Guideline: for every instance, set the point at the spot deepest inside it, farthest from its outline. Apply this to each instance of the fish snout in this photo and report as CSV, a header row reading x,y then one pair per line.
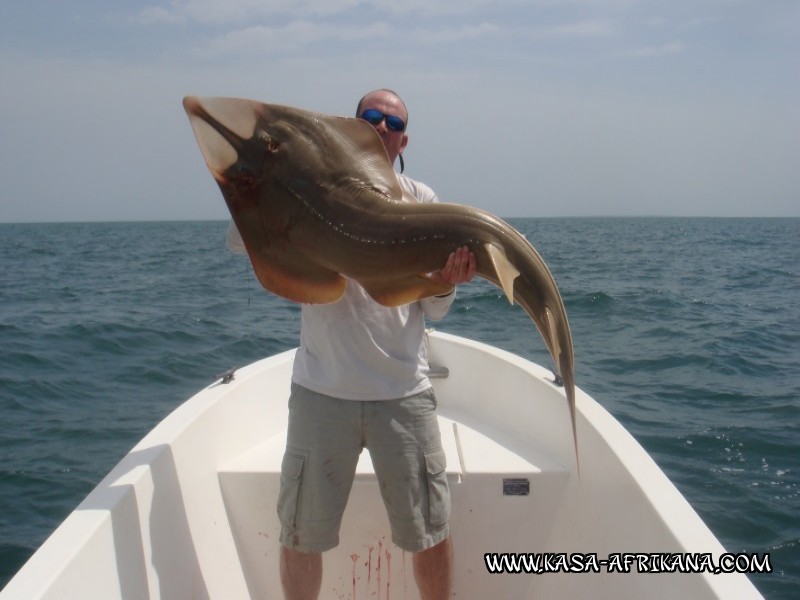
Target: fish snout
x,y
220,126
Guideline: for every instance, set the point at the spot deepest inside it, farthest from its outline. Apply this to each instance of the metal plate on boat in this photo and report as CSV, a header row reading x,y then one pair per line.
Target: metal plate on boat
x,y
516,486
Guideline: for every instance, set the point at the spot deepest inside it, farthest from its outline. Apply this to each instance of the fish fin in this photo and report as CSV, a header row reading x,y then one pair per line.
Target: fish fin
x,y
366,149
216,140
218,153
565,372
295,278
240,116
505,271
404,290
552,334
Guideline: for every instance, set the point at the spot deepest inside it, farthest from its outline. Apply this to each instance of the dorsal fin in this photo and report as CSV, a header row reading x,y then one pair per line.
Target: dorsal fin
x,y
366,152
505,271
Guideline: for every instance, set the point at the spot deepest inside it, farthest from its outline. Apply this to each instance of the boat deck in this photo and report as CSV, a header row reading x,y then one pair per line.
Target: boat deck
x,y
493,490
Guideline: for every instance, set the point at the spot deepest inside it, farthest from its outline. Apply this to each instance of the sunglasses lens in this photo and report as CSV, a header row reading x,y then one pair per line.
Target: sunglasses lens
x,y
374,117
395,123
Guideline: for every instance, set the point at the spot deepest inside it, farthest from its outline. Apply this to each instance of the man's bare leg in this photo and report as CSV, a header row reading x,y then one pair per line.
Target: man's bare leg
x,y
301,574
433,570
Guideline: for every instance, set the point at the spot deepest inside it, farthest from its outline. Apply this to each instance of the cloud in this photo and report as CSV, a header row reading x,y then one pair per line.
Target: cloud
x,y
297,34
441,8
239,11
597,28
457,34
159,14
272,41
656,51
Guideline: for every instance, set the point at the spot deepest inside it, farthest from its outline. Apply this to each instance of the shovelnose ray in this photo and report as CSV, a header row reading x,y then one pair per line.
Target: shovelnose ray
x,y
315,199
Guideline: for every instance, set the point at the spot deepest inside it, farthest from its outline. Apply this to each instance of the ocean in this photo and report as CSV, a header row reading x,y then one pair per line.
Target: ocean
x,y
686,329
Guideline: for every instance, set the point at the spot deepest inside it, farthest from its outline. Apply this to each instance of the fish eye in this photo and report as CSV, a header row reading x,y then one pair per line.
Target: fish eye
x,y
269,142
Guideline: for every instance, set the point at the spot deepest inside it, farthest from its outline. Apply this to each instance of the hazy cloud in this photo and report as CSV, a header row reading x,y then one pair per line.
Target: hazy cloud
x,y
238,11
454,34
598,28
663,50
297,34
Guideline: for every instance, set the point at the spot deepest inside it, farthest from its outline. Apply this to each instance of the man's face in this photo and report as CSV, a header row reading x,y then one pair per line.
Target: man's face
x,y
388,103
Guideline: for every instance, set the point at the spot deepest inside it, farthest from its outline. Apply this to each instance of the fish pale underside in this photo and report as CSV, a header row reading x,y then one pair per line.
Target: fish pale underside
x,y
316,200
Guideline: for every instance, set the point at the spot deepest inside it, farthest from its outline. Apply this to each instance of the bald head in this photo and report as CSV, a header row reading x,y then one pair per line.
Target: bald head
x,y
382,92
388,103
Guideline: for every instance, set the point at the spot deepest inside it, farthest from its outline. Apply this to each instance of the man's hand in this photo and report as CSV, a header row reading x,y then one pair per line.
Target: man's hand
x,y
459,268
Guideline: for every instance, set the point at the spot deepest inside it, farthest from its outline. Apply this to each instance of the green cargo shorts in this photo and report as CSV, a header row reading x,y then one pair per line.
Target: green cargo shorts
x,y
324,439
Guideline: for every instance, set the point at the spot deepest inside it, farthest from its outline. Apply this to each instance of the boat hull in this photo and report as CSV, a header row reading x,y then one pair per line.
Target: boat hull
x,y
190,511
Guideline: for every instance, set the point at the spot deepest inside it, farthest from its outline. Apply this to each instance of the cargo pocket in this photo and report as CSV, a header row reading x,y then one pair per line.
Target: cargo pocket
x,y
438,493
291,475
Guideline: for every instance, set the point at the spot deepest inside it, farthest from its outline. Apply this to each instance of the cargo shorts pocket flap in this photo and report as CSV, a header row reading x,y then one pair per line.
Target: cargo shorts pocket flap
x,y
291,475
438,493
292,466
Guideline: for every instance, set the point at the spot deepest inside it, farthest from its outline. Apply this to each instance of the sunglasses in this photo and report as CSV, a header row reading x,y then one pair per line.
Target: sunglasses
x,y
373,116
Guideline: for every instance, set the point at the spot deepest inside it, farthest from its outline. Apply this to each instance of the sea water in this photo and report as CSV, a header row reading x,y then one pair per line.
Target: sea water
x,y
686,330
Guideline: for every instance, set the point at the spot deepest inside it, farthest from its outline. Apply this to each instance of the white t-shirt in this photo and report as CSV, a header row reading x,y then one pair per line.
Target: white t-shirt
x,y
357,349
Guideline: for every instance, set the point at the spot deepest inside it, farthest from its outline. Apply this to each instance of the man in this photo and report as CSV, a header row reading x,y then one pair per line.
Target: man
x,y
360,380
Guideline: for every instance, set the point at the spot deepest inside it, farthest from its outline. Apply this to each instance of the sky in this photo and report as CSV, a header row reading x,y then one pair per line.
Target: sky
x,y
537,108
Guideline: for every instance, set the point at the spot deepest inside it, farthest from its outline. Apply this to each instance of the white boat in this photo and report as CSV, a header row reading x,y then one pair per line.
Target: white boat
x,y
190,511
